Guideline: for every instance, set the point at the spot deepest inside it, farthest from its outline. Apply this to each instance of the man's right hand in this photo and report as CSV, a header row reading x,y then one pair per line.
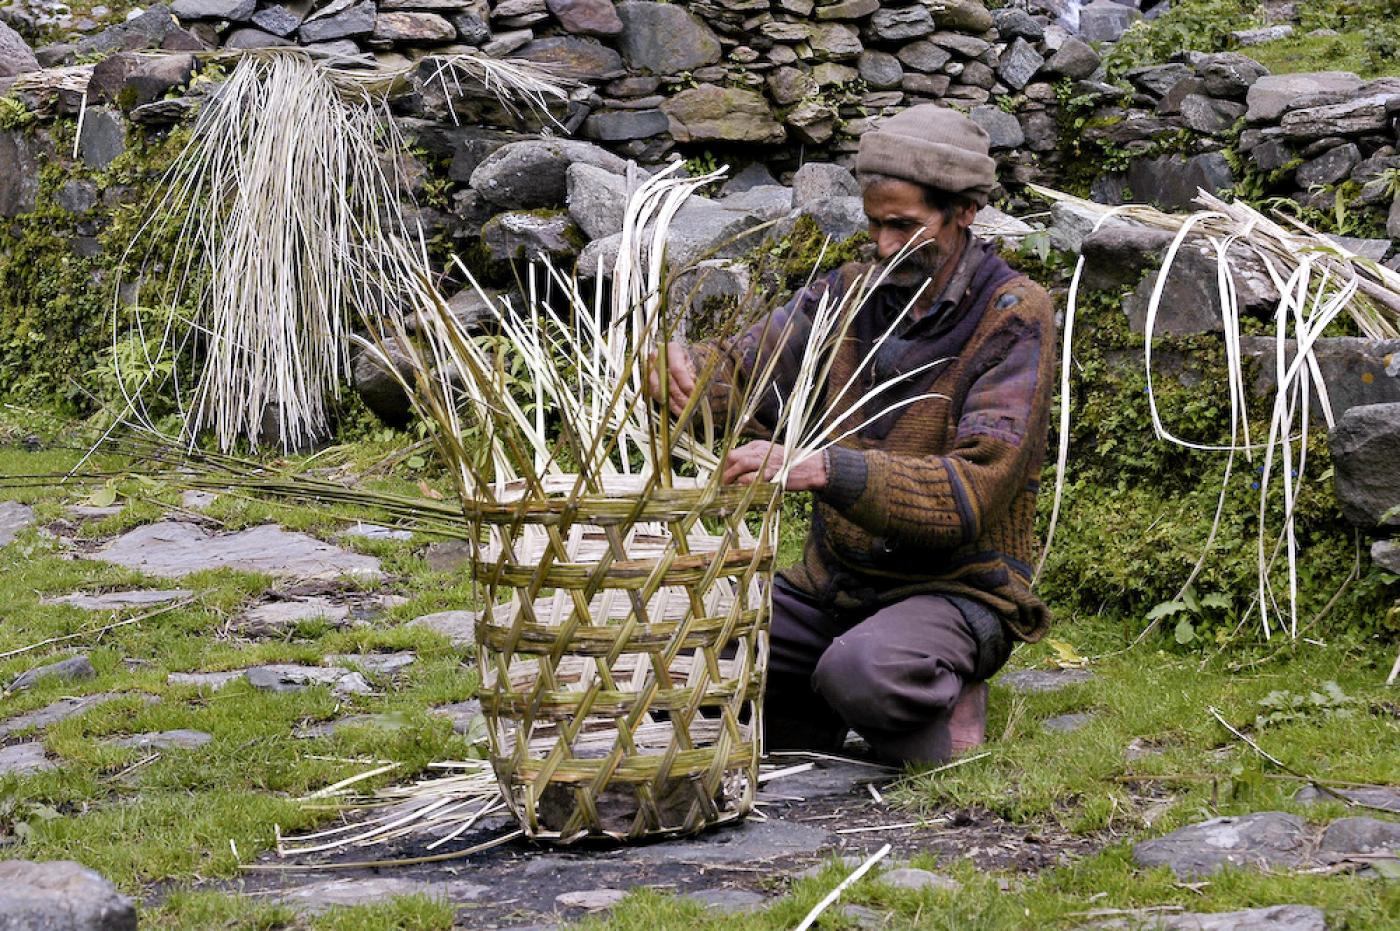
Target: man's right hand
x,y
680,377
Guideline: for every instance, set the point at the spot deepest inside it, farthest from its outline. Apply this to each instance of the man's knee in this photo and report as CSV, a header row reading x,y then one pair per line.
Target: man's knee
x,y
856,676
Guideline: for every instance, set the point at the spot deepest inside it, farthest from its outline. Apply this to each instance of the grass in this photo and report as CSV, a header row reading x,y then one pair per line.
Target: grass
x,y
169,823
1346,51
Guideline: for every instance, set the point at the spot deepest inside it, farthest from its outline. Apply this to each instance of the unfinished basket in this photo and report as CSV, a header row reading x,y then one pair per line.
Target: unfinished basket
x,y
623,654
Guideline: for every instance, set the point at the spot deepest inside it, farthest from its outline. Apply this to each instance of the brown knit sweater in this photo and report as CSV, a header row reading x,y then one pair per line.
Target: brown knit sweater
x,y
938,496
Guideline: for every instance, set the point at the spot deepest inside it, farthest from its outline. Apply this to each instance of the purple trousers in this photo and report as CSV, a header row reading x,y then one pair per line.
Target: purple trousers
x,y
893,675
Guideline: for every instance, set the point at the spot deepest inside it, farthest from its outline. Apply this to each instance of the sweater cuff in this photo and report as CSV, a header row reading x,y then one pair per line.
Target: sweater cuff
x,y
846,474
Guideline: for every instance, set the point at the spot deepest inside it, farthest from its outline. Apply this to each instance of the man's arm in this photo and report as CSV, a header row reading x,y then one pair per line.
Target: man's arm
x,y
725,367
946,501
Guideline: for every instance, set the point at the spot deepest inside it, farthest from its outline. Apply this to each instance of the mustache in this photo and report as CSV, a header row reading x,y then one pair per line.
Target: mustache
x,y
923,262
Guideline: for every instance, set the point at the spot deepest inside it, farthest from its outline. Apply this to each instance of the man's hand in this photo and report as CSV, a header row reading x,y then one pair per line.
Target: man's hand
x,y
761,460
680,377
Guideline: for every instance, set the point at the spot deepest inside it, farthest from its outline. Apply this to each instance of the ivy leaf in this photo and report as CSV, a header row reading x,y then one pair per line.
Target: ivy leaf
x,y
415,462
104,497
1188,596
1165,609
1217,601
1185,632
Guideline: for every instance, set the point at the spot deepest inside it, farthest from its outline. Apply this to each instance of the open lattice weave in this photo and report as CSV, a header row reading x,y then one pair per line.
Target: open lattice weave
x,y
622,676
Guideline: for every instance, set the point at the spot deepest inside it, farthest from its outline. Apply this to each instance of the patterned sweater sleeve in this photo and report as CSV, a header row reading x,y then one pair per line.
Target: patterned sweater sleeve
x,y
945,501
726,369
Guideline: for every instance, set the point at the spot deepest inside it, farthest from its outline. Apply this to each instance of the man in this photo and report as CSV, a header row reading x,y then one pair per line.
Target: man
x,y
915,577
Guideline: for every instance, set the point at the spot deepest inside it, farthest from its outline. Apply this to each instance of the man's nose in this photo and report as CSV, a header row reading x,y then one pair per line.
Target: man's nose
x,y
887,243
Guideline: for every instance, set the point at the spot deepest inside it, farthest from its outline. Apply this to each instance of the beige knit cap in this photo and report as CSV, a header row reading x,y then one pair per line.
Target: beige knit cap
x,y
933,146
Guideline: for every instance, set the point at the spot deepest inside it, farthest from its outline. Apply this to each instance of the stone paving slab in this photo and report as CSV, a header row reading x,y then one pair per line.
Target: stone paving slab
x,y
286,677
365,531
205,680
72,669
378,664
274,618
1384,797
1263,840
1273,918
457,626
174,549
317,897
59,895
1043,680
25,758
14,517
64,709
179,739
117,601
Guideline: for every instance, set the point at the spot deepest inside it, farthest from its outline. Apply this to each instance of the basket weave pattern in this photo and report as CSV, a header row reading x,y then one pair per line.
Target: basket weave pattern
x,y
623,654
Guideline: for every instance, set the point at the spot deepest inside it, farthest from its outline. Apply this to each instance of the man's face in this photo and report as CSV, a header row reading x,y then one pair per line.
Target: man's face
x,y
898,215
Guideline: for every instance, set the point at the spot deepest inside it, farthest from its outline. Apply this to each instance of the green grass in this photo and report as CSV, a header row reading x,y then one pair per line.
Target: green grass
x,y
177,819
1346,51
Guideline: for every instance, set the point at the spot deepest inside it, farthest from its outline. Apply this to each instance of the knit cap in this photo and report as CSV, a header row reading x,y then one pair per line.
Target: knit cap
x,y
933,146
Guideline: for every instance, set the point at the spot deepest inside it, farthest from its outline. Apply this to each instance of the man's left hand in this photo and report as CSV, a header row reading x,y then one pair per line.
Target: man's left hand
x,y
760,460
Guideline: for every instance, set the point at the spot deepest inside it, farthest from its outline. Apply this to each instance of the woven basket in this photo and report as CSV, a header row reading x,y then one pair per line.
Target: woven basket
x,y
623,654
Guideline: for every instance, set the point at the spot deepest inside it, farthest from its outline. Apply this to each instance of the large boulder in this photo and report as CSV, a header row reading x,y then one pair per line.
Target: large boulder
x,y
710,113
961,15
1003,129
533,173
526,236
16,57
62,896
1019,63
1365,446
1172,181
1372,113
1106,21
597,199
1191,297
1073,59
819,180
1271,95
664,38
586,17
20,157
1229,74
582,59
1357,371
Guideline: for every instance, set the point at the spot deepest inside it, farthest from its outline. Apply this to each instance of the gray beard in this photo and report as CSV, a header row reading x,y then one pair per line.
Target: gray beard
x,y
923,264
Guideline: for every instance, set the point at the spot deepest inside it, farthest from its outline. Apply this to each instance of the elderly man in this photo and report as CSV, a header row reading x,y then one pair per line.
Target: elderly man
x,y
915,578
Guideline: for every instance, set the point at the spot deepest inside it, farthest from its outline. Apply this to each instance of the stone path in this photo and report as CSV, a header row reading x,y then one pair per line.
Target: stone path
x,y
14,517
119,601
174,549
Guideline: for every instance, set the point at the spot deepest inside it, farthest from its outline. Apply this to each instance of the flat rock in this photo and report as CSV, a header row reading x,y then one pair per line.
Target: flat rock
x,y
72,669
1067,723
1265,840
826,778
664,38
747,842
591,899
893,23
916,880
317,897
728,901
93,512
597,199
179,739
1365,446
457,626
365,531
573,56
1173,181
1272,918
379,664
61,710
22,759
516,236
14,517
586,17
1376,796
171,549
1270,96
391,721
1347,836
1030,681
1386,554
1003,129
817,180
533,173
274,618
355,20
117,601
59,895
1352,117
286,677
1358,372
462,714
710,113
204,680
1106,21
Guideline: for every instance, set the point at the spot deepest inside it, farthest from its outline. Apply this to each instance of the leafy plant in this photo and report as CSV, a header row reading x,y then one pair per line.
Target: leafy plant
x,y
1194,614
14,114
1285,707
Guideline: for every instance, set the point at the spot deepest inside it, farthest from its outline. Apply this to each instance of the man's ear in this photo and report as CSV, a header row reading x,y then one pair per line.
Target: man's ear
x,y
965,216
